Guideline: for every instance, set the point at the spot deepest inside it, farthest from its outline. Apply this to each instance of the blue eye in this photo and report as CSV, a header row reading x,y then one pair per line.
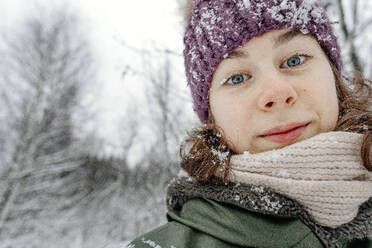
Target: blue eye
x,y
294,61
237,79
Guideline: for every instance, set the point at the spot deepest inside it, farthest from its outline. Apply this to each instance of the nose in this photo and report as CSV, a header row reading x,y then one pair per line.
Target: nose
x,y
277,94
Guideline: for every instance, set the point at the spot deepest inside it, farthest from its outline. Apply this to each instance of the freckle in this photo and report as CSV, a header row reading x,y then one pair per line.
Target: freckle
x,y
305,90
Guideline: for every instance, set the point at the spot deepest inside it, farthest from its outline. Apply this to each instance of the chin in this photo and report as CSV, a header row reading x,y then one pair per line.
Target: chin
x,y
269,146
264,149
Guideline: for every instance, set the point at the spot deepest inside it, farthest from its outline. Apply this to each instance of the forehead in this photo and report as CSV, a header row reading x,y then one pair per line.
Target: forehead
x,y
277,38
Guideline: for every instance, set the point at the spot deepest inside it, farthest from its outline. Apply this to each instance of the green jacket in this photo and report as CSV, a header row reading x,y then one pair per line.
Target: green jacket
x,y
236,216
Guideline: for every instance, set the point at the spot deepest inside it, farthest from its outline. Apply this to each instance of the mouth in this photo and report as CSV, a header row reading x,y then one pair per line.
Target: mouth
x,y
285,134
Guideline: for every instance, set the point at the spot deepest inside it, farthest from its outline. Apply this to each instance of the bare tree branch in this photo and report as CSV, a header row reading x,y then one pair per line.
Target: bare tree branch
x,y
343,19
45,64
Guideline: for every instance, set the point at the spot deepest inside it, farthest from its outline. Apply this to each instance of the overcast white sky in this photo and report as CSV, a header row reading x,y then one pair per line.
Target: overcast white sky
x,y
138,23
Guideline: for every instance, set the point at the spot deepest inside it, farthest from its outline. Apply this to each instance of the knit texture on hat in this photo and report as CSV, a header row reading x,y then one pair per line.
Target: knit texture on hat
x,y
217,27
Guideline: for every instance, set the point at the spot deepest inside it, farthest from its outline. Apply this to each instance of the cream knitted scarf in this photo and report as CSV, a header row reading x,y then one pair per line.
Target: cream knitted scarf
x,y
323,173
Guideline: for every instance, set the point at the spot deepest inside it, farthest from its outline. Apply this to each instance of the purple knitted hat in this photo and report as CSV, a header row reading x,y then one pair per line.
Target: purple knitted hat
x,y
217,27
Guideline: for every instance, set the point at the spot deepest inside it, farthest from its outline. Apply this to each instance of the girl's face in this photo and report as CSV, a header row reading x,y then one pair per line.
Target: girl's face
x,y
276,90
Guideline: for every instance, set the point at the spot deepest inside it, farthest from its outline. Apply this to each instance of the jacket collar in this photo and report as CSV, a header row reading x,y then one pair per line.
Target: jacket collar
x,y
262,200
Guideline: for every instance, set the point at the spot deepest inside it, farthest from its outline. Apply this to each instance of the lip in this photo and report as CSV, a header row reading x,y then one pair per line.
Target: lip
x,y
285,134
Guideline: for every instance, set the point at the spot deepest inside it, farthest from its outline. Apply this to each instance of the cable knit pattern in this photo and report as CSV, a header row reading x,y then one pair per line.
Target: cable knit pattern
x,y
323,173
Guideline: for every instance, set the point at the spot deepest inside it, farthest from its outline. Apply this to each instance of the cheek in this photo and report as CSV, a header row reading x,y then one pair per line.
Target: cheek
x,y
331,111
232,115
331,106
324,100
225,112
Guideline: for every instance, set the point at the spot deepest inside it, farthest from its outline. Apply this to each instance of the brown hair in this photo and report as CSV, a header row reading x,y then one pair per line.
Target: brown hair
x,y
208,159
186,9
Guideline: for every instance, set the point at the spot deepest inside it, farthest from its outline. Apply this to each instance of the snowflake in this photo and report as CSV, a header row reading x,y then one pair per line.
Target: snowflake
x,y
317,13
258,189
193,54
299,15
195,75
305,31
247,3
221,155
254,204
237,198
150,243
246,154
209,18
270,204
198,30
285,5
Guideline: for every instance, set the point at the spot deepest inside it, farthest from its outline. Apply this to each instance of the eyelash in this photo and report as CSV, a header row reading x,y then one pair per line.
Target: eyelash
x,y
224,81
307,57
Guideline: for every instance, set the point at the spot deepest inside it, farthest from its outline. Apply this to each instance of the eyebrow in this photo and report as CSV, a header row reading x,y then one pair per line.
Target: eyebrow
x,y
286,37
237,54
279,41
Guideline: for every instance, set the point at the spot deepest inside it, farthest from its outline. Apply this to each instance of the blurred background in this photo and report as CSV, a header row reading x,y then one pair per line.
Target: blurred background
x,y
93,108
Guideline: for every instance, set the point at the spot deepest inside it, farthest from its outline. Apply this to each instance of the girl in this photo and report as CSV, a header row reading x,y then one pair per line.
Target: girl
x,y
284,156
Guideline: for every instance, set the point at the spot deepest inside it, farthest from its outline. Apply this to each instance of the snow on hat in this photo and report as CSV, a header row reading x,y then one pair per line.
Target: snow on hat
x,y
216,27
